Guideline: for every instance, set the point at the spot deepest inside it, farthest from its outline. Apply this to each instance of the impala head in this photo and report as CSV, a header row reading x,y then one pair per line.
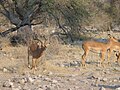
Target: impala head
x,y
36,50
43,44
33,46
111,38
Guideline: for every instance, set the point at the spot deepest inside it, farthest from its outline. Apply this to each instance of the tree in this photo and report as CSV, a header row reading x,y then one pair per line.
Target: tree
x,y
23,13
111,8
20,13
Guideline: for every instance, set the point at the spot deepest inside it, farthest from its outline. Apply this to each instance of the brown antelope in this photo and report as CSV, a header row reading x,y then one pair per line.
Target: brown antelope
x,y
97,46
36,51
115,47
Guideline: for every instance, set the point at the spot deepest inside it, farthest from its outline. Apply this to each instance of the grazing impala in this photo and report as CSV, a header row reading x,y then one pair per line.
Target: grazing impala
x,y
36,51
97,46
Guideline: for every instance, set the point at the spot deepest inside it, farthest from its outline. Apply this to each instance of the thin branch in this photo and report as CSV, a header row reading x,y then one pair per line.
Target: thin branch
x,y
37,23
3,34
6,12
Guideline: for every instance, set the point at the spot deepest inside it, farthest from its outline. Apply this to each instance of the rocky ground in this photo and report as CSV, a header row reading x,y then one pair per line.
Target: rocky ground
x,y
61,70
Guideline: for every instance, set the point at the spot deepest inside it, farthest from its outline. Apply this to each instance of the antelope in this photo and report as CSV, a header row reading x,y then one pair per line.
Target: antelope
x,y
115,47
36,51
97,46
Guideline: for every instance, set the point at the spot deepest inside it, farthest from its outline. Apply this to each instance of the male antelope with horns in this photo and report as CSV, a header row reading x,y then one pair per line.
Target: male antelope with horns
x,y
36,51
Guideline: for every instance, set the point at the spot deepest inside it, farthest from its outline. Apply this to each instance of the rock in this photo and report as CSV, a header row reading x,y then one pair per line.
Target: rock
x,y
45,87
19,87
37,82
30,80
8,84
54,81
115,80
47,79
15,89
92,77
50,73
5,70
40,76
40,89
64,65
102,88
117,69
22,81
117,88
26,87
104,80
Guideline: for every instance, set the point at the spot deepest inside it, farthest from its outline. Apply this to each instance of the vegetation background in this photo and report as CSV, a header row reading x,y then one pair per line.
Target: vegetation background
x,y
71,17
66,23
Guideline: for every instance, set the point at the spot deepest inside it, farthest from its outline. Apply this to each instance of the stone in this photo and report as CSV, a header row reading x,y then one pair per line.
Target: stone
x,y
54,81
26,87
5,70
50,73
40,89
115,80
30,80
22,81
8,84
102,88
104,79
47,79
117,88
15,89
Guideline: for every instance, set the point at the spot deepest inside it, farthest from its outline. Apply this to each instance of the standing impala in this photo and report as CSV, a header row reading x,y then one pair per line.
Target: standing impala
x,y
115,47
36,51
97,46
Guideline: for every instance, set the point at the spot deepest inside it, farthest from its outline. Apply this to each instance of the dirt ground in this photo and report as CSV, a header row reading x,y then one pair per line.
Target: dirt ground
x,y
64,66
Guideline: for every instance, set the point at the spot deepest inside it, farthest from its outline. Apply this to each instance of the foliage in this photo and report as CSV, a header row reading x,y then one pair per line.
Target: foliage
x,y
68,15
111,8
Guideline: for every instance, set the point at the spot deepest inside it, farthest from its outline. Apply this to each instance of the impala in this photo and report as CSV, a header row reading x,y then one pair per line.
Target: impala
x,y
36,51
115,47
97,46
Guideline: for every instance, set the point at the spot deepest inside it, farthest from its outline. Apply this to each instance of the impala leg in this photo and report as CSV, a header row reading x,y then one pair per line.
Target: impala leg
x,y
84,57
33,65
118,58
36,64
118,61
102,58
28,59
109,55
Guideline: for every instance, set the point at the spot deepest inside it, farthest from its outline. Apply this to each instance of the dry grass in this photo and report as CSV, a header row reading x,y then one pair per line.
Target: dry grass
x,y
15,58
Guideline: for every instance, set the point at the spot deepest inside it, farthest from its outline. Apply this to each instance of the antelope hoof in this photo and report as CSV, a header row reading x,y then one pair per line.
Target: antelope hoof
x,y
29,66
84,65
109,64
102,65
116,62
35,68
33,71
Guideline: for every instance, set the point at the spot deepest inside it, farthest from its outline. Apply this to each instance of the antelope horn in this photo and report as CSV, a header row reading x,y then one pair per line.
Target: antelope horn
x,y
45,40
